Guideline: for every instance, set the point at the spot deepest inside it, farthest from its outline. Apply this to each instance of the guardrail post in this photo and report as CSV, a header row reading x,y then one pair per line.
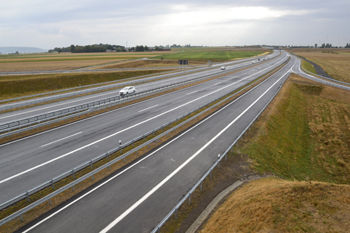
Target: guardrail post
x,y
201,185
50,201
158,230
153,132
73,172
21,217
175,213
144,138
91,165
189,199
28,199
52,184
133,146
73,188
210,174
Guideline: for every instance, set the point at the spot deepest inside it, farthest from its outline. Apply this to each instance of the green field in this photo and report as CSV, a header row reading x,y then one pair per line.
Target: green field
x,y
211,55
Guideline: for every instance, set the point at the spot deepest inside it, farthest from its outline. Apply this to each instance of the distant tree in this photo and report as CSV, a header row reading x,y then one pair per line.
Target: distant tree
x,y
315,45
156,48
72,48
347,45
59,50
16,52
146,47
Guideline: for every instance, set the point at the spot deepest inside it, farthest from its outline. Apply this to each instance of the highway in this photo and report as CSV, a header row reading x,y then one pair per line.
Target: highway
x,y
136,198
30,161
79,90
33,111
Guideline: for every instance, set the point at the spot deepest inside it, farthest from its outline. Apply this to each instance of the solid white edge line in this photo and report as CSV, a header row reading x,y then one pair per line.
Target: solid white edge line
x,y
60,139
136,204
133,165
102,139
149,108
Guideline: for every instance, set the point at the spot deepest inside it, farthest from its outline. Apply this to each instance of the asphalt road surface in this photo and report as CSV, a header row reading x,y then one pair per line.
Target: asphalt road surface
x,y
33,111
31,161
137,198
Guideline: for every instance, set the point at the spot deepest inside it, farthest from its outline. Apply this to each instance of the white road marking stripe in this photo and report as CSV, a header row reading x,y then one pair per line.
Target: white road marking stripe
x,y
60,139
148,108
136,204
102,139
128,168
191,92
217,83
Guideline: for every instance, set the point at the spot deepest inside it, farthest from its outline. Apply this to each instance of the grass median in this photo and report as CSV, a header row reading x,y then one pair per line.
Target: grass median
x,y
45,207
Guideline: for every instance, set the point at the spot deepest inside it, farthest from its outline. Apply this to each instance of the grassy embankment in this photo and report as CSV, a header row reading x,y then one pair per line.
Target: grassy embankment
x,y
308,66
16,86
333,62
303,136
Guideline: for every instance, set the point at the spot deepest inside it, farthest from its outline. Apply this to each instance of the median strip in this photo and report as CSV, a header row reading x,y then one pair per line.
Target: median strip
x,y
153,140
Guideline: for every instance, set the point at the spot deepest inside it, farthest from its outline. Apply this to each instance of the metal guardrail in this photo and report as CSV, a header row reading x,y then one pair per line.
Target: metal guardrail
x,y
90,163
106,85
28,122
209,172
320,79
8,126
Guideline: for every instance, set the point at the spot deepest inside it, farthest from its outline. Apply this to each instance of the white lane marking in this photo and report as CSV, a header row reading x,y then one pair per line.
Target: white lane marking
x,y
107,93
148,108
133,165
60,139
217,83
136,204
130,127
79,121
191,92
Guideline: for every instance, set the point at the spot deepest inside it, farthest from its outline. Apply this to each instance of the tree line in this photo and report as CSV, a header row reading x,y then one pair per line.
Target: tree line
x,y
89,48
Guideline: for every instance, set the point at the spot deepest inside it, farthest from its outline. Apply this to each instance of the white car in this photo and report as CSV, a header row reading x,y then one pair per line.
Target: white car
x,y
223,68
127,90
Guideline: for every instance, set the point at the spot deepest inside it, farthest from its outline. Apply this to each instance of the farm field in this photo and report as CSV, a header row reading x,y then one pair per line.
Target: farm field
x,y
71,61
304,137
334,62
64,61
213,55
148,63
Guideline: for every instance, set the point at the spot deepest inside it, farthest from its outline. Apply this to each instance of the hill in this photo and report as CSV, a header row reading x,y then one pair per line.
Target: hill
x,y
5,50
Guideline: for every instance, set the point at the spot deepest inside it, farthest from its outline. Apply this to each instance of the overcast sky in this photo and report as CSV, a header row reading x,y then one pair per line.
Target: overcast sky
x,y
55,23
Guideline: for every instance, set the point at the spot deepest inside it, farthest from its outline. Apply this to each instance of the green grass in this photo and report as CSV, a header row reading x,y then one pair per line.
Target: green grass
x,y
211,55
308,66
26,85
285,147
305,137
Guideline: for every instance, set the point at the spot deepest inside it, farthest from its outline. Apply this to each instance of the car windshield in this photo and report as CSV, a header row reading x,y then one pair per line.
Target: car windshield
x,y
125,89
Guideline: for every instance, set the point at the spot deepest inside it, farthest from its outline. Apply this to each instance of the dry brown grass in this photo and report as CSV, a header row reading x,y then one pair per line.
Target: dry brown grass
x,y
50,65
337,65
273,205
